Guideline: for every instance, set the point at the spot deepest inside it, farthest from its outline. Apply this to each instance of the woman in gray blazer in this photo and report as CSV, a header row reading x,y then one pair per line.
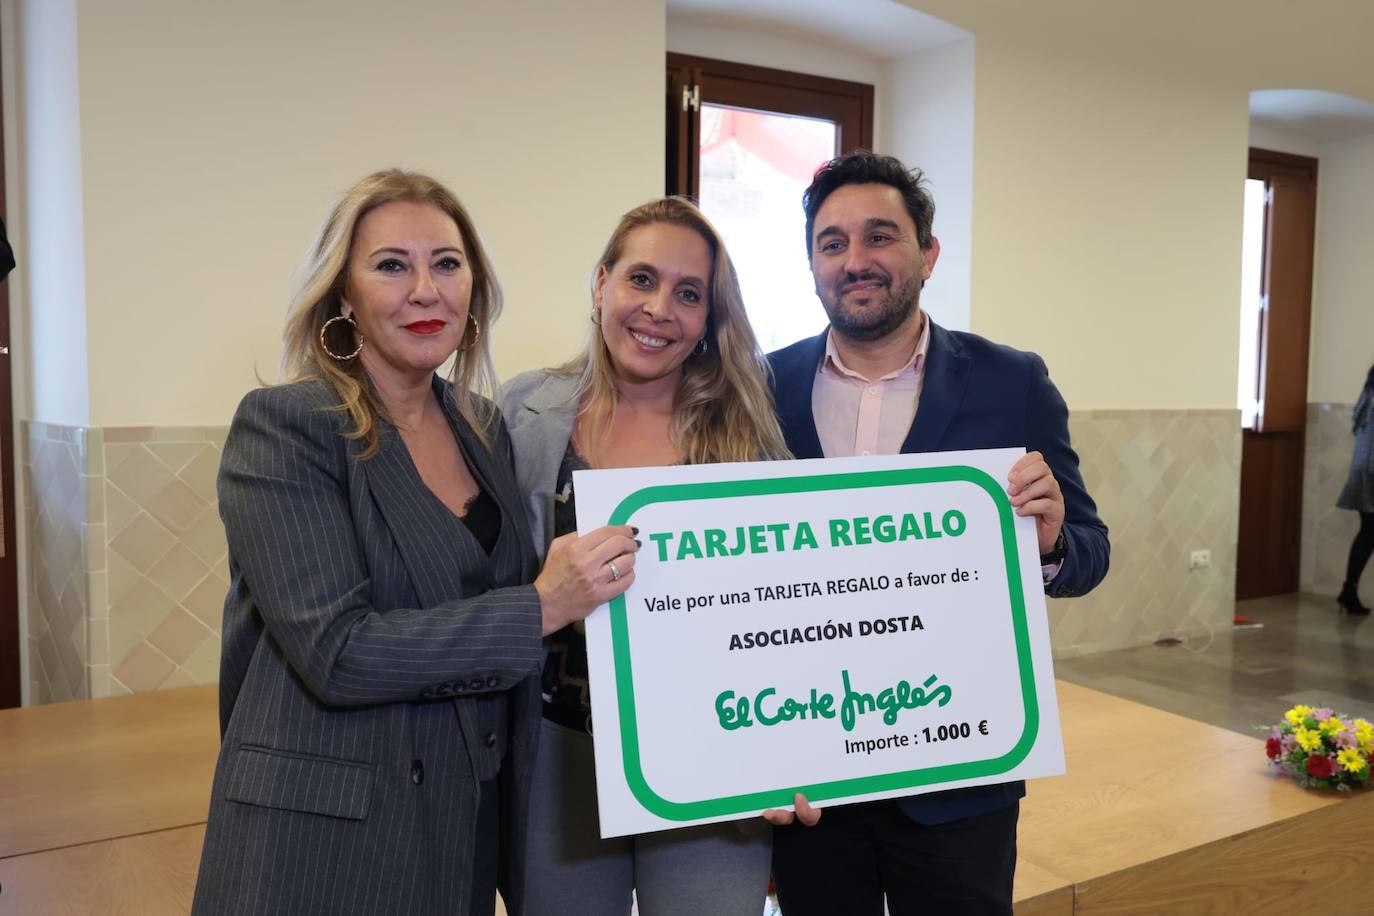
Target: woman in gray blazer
x,y
378,698
671,374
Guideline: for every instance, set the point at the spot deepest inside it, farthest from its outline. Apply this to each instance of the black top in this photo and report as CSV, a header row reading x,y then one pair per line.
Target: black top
x,y
483,520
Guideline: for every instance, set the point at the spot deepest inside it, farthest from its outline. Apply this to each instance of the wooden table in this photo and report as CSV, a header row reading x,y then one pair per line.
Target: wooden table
x,y
102,810
1163,814
103,803
149,874
99,769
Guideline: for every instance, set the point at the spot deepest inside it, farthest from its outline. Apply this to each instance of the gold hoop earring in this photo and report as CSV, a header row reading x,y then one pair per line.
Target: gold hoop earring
x,y
596,316
701,347
476,334
324,346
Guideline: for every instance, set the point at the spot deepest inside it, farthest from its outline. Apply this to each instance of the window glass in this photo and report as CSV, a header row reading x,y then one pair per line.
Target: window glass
x,y
754,167
1252,261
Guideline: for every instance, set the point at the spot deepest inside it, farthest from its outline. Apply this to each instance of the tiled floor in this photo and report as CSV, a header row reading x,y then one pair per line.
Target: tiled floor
x,y
1307,652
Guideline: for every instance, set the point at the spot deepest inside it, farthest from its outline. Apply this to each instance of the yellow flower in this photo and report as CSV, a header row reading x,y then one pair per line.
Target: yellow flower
x,y
1309,739
1351,759
1297,714
1332,726
1364,734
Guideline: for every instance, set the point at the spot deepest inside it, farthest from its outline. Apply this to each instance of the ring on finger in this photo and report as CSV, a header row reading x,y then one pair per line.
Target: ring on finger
x,y
615,572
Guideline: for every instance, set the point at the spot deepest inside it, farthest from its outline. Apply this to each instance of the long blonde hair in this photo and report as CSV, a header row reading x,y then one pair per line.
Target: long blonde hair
x,y
723,408
319,293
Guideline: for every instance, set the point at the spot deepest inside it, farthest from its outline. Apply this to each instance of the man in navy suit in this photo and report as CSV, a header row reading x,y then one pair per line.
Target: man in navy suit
x,y
885,379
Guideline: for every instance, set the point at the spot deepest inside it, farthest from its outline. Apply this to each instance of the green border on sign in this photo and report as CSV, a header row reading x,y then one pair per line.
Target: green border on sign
x,y
782,797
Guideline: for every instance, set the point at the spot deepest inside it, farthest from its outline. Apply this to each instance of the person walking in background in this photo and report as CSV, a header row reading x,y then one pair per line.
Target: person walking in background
x,y
1358,496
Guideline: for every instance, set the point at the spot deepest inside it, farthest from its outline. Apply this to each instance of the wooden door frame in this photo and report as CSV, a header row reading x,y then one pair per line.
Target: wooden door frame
x,y
1288,388
1269,516
11,685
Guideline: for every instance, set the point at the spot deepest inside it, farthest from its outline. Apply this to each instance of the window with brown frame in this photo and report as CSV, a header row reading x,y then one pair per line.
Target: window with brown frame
x,y
744,141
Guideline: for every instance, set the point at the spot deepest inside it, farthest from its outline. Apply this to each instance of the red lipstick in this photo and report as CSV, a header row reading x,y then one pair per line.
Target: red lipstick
x,y
425,327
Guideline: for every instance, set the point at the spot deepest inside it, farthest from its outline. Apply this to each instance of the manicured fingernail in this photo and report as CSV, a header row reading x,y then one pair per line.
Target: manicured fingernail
x,y
634,530
638,542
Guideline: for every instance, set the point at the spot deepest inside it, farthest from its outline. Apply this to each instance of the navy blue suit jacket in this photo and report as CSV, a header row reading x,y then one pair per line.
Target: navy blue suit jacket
x,y
976,394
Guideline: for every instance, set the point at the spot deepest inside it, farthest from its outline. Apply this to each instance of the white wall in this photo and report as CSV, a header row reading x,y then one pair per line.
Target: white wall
x,y
50,285
212,141
1107,226
929,110
1105,223
1266,135
1109,150
1343,300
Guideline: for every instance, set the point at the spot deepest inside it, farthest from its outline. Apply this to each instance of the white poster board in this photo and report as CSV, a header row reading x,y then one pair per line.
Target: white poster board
x,y
849,628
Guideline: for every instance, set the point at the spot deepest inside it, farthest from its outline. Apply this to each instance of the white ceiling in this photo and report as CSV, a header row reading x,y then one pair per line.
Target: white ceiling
x,y
872,28
1320,116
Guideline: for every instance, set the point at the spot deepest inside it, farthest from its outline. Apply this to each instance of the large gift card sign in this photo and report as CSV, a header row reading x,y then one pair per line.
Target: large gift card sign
x,y
849,628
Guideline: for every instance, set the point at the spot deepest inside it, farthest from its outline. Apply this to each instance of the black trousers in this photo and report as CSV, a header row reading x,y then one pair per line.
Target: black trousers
x,y
486,860
857,853
1360,550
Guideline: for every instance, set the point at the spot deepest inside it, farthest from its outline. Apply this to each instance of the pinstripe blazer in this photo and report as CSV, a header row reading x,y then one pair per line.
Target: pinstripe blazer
x,y
361,623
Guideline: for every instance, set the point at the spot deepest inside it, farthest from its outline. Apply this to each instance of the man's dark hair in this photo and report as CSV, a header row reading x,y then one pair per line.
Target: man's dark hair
x,y
863,167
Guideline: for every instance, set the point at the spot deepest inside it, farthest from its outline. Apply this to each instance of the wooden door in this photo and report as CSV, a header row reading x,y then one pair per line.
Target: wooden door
x,y
1269,536
9,569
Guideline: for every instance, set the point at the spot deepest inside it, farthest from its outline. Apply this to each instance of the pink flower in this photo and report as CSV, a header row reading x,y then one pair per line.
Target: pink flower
x,y
1321,715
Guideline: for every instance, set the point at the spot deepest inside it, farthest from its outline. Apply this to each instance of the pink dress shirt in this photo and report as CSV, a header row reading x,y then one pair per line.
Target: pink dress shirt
x,y
861,416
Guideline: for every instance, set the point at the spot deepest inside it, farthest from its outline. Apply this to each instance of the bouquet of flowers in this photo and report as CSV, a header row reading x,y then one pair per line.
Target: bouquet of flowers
x,y
1321,749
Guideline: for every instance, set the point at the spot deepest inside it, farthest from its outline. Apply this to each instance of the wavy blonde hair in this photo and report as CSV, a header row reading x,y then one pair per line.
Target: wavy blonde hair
x,y
723,409
319,294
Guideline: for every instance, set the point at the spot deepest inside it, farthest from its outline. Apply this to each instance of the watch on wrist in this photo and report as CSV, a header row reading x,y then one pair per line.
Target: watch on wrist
x,y
1058,552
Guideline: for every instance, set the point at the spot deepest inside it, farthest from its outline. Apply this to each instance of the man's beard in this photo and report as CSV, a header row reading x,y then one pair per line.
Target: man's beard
x,y
877,319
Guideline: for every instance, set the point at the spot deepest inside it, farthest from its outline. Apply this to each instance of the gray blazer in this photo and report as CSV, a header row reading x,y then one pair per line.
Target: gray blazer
x,y
363,624
540,408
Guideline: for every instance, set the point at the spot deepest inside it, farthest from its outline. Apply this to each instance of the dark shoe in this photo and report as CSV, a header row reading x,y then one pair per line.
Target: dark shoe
x,y
1349,601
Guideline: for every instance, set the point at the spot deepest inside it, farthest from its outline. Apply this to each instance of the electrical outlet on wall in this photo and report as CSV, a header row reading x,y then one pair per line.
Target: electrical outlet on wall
x,y
1199,558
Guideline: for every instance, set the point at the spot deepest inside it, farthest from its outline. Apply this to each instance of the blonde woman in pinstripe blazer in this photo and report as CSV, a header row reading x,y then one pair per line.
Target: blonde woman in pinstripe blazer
x,y
378,699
